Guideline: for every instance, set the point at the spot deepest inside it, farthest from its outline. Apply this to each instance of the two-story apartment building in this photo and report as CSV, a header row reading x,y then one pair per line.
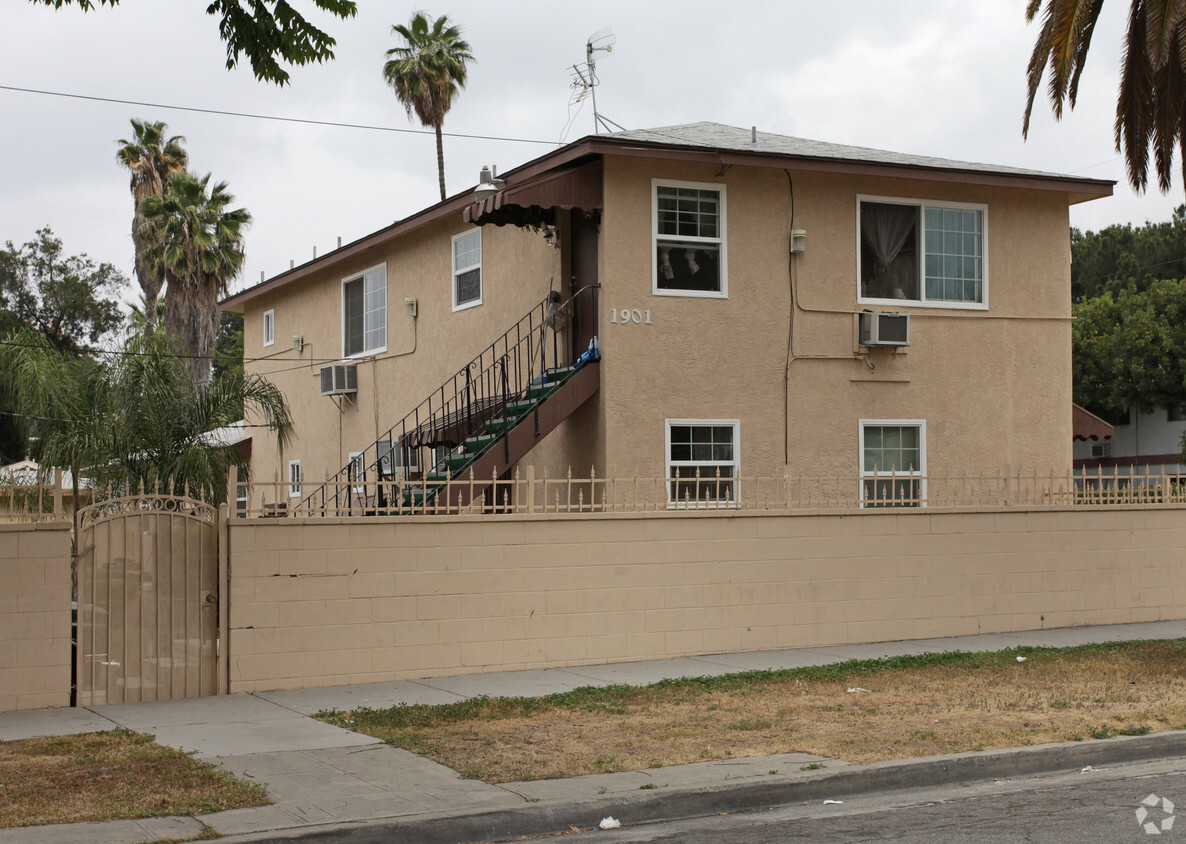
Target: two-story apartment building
x,y
762,305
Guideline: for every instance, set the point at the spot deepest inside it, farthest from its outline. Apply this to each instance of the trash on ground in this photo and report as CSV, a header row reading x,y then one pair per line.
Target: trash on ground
x,y
837,802
856,689
1021,659
609,823
1085,770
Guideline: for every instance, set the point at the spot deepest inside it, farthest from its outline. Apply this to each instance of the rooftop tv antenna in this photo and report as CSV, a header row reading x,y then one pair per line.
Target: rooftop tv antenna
x,y
584,81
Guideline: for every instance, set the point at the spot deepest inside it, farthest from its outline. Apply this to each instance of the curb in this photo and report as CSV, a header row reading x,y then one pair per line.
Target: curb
x,y
951,769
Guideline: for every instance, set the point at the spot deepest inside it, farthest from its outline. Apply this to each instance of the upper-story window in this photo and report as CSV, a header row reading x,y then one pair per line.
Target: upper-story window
x,y
922,253
269,327
467,270
688,230
364,310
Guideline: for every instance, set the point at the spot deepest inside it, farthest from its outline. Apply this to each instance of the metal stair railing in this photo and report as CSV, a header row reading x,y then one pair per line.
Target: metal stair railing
x,y
425,442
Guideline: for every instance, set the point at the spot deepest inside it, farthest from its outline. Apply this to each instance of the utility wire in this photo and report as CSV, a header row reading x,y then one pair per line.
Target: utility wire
x,y
83,350
272,116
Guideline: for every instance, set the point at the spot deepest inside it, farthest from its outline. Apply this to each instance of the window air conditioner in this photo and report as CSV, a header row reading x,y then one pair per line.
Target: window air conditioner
x,y
1103,449
878,329
339,379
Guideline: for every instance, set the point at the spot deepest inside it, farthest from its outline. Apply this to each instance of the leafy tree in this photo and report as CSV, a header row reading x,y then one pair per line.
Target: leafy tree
x,y
228,345
1123,256
137,420
1130,348
69,300
426,72
152,158
268,32
1151,105
196,241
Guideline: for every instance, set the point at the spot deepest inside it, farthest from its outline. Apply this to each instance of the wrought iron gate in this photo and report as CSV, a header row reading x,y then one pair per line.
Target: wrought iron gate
x,y
149,607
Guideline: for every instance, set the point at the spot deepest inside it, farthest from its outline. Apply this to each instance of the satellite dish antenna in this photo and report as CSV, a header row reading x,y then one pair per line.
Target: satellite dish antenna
x,y
585,80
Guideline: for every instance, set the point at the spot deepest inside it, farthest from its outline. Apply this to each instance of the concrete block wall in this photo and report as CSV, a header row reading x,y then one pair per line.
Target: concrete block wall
x,y
34,615
326,602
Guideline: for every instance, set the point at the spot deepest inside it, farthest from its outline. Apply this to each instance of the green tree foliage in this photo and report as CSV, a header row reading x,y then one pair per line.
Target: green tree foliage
x,y
68,299
1121,256
136,420
426,72
152,157
268,32
1130,348
195,240
228,345
1150,106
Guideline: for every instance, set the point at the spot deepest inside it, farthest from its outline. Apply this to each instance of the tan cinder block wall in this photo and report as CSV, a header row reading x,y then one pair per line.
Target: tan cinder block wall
x,y
329,602
34,616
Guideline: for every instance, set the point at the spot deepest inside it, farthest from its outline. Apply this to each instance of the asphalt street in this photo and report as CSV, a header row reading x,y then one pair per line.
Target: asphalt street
x,y
1079,807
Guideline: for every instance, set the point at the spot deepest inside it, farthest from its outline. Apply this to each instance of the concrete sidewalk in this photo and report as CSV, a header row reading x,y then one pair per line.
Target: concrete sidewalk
x,y
323,778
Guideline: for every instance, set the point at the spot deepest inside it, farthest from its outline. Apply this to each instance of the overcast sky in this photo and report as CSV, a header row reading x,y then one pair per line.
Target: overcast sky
x,y
916,76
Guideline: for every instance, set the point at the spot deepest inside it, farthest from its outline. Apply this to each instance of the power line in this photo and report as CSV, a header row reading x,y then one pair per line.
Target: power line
x,y
272,116
84,350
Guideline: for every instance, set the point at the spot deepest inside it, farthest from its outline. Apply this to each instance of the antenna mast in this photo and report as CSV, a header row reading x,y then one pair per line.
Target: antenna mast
x,y
585,79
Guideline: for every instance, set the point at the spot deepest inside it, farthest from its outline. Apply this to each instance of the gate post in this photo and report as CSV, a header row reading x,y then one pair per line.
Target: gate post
x,y
223,683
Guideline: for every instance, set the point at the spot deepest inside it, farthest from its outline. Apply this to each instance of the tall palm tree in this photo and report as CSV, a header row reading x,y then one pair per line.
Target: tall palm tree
x,y
152,158
196,242
1151,106
427,71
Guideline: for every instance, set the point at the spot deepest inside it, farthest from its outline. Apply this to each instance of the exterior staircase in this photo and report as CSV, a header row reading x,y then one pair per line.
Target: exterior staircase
x,y
475,426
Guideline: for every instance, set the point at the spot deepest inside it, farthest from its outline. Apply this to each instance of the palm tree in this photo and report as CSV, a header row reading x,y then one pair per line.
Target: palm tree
x,y
196,242
1151,106
427,72
138,420
152,158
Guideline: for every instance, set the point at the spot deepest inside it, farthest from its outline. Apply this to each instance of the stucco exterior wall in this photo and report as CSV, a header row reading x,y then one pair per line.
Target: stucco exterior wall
x,y
421,352
325,602
35,616
993,385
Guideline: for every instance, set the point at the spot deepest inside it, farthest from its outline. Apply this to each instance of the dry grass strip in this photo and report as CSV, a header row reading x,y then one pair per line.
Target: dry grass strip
x,y
860,711
107,776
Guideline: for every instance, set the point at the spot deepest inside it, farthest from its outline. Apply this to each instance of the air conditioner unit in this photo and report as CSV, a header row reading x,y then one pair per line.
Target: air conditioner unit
x,y
878,329
339,379
1103,449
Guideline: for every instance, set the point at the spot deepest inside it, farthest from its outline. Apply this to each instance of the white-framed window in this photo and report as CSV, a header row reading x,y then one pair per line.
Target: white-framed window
x,y
401,461
356,473
294,478
364,312
467,270
702,461
688,231
922,253
893,462
241,493
269,327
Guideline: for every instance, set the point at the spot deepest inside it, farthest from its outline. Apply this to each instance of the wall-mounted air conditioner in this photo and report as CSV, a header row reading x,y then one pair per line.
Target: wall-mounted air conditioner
x,y
339,379
878,329
1103,449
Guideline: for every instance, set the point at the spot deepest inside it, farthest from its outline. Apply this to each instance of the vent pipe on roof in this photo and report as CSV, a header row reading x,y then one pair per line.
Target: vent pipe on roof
x,y
753,134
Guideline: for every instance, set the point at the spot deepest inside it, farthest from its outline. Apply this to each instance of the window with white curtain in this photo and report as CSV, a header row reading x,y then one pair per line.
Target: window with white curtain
x,y
922,253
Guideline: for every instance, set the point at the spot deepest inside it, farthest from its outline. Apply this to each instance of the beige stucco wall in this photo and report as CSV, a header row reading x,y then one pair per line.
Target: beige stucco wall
x,y
34,616
421,353
325,602
993,385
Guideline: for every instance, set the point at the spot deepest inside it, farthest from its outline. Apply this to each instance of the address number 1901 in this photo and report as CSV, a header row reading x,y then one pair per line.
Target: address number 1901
x,y
628,316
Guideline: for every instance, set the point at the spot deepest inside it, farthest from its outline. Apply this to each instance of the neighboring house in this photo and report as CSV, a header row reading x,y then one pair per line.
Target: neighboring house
x,y
1141,444
25,487
764,306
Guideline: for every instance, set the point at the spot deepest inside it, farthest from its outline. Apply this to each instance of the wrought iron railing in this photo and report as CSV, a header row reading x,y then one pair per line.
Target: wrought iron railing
x,y
531,492
422,449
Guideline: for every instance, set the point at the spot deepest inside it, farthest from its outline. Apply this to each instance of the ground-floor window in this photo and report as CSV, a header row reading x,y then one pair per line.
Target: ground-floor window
x,y
893,462
294,479
702,461
241,477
